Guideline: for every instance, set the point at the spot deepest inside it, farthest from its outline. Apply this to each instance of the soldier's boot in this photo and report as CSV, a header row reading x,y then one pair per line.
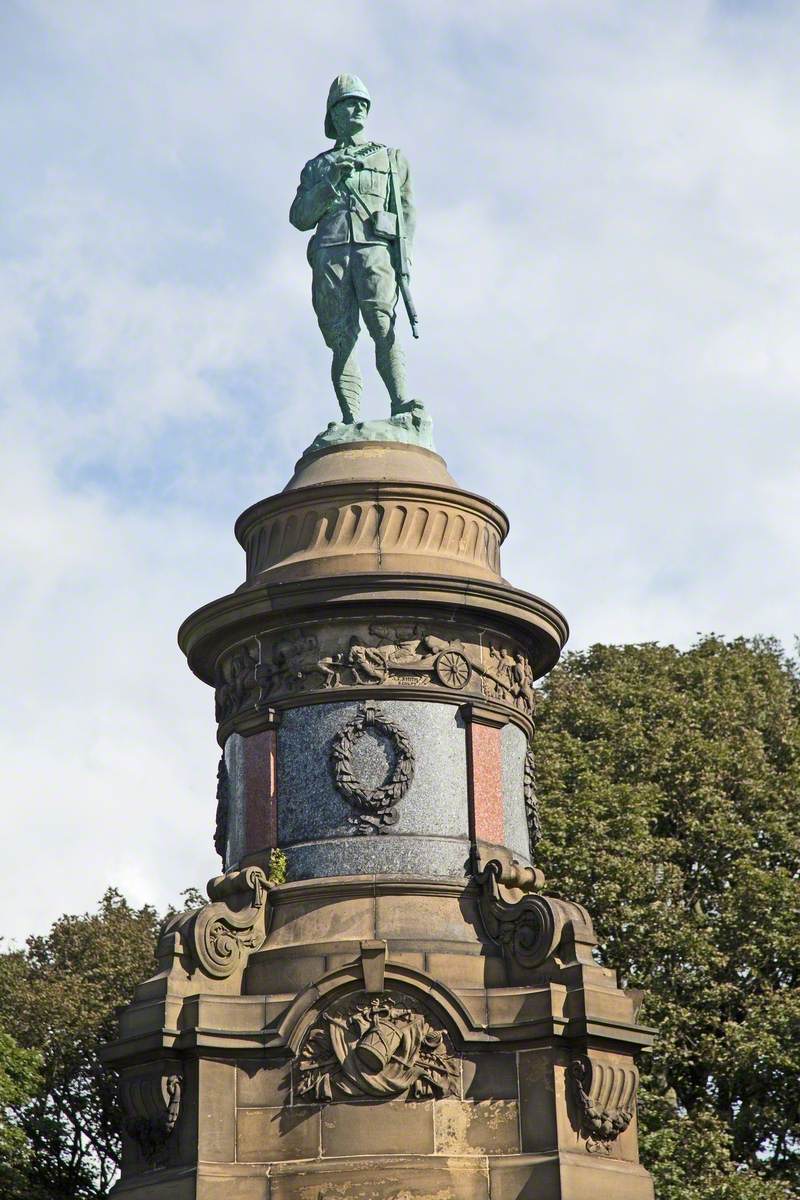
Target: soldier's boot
x,y
347,382
391,363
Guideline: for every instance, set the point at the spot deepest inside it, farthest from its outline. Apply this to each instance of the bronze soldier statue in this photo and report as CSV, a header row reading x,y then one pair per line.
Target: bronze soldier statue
x,y
358,196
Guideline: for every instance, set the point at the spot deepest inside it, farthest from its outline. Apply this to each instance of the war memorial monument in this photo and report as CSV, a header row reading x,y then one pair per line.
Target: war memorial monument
x,y
383,999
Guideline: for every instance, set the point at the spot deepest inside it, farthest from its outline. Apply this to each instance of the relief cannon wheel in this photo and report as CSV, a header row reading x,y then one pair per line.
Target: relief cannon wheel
x,y
452,669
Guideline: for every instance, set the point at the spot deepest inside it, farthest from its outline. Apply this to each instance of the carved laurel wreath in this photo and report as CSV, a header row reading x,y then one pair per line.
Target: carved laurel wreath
x,y
375,809
532,814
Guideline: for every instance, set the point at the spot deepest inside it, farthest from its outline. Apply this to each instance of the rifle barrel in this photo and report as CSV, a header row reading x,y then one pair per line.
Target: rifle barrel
x,y
413,319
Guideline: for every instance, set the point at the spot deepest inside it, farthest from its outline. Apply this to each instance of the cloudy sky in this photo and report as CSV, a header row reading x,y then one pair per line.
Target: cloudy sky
x,y
606,270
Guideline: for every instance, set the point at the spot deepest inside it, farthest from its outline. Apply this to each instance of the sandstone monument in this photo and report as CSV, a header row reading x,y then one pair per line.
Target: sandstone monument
x,y
381,1000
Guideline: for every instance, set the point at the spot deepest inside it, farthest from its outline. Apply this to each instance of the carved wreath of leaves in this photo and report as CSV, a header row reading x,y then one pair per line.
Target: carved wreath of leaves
x,y
376,807
532,814
223,807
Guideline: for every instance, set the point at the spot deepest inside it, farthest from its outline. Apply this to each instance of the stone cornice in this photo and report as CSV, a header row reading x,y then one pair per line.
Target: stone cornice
x,y
210,630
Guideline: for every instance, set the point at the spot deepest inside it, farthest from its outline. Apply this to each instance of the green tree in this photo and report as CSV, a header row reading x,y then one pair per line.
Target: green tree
x,y
60,1138
669,786
20,1078
60,995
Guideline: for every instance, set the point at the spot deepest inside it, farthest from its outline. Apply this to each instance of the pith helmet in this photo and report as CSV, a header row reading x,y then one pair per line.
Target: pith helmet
x,y
342,86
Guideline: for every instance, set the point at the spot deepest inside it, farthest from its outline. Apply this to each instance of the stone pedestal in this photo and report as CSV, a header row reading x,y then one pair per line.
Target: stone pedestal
x,y
409,1013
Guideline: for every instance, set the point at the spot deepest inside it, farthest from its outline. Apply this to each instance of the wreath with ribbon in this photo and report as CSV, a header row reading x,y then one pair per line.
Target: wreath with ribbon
x,y
375,807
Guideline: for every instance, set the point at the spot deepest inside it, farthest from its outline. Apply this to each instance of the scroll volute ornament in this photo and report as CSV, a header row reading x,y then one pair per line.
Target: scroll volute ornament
x,y
227,931
606,1096
151,1105
529,926
218,938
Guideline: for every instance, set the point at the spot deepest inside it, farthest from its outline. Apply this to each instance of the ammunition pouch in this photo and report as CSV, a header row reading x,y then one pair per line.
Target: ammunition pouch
x,y
384,225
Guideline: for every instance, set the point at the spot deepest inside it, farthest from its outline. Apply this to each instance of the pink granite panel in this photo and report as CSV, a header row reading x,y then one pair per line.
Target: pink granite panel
x,y
486,782
260,791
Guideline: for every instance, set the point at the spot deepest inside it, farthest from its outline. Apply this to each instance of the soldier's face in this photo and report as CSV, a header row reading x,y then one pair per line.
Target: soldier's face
x,y
349,116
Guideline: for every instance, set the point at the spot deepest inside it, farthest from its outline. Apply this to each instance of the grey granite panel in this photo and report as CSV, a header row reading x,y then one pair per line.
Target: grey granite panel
x,y
386,855
309,804
513,747
234,762
310,807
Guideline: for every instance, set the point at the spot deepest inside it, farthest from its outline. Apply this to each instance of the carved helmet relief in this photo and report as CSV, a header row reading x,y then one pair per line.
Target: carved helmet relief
x,y
383,1046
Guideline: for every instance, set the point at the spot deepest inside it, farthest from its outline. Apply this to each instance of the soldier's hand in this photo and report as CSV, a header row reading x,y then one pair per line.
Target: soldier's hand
x,y
341,169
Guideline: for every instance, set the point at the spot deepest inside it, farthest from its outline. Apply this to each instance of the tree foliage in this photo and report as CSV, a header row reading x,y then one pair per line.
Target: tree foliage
x,y
20,1078
669,788
60,996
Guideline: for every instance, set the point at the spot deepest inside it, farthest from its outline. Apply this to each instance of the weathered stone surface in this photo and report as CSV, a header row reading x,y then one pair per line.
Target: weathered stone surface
x,y
374,462
263,1085
415,918
379,526
401,1177
165,1186
588,1177
378,1044
250,1187
528,1177
277,1134
467,970
543,1106
300,918
411,517
395,1128
216,1112
391,657
489,1076
477,1127
409,1015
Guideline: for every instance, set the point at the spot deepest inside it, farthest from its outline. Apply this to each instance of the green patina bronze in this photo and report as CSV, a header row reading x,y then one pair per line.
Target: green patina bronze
x,y
357,197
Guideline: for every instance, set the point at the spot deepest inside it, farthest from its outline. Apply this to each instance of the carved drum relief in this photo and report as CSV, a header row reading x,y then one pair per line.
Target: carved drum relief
x,y
383,1046
333,657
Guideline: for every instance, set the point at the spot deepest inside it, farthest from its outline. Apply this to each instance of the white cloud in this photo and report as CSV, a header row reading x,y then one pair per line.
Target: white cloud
x,y
606,271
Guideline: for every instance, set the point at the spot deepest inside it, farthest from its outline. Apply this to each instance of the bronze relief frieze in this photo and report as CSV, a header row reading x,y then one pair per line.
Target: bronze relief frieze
x,y
331,660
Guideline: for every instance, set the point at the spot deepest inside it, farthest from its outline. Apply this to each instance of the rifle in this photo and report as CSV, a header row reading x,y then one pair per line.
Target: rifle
x,y
402,268
395,236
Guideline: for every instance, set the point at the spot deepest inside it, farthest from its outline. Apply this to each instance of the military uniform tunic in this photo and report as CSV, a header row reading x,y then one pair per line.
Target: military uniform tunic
x,y
351,265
